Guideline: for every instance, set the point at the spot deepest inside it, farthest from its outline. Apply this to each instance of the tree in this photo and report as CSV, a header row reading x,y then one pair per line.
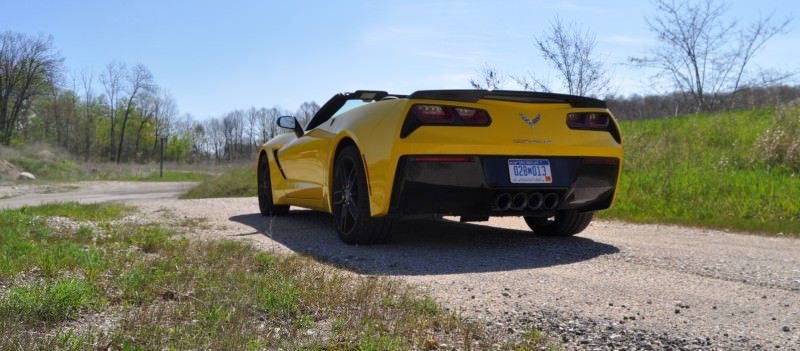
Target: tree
x,y
112,83
306,111
701,52
28,66
570,50
488,78
139,80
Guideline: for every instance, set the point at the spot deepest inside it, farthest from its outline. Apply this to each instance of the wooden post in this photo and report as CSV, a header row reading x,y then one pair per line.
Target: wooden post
x,y
161,166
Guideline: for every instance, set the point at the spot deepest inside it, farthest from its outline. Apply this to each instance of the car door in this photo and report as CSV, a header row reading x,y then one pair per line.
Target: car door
x,y
304,161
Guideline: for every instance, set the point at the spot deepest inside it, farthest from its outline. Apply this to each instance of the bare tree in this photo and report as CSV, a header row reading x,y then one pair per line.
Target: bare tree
x,y
28,66
167,110
570,50
139,80
701,52
306,111
112,84
488,78
87,79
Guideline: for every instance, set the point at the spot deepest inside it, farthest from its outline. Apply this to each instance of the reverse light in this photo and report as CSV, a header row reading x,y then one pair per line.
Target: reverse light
x,y
433,114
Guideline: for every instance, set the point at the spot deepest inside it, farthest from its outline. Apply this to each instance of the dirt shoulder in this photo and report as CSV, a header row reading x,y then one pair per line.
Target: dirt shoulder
x,y
16,195
616,285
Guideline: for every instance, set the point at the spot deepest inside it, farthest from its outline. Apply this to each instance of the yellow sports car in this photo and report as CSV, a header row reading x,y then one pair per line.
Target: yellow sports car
x,y
370,158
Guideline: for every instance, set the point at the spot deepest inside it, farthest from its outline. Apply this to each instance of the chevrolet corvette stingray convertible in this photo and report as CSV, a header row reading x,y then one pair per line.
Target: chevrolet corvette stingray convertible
x,y
371,157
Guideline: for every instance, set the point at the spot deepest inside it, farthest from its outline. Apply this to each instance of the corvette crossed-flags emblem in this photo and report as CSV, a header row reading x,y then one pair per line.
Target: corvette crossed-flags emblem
x,y
531,122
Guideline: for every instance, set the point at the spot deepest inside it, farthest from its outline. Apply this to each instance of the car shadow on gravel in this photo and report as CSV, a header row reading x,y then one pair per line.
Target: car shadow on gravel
x,y
425,247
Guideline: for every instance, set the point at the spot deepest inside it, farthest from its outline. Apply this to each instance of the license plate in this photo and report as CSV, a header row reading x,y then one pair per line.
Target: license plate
x,y
530,171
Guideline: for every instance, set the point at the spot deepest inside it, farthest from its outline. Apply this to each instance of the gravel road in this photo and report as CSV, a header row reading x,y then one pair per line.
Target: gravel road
x,y
617,286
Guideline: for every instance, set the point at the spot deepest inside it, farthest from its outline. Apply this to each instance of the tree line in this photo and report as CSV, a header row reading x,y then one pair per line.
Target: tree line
x,y
701,54
117,115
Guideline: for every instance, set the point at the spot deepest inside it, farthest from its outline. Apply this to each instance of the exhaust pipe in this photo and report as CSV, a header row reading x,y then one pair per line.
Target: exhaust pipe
x,y
535,201
519,201
551,201
502,202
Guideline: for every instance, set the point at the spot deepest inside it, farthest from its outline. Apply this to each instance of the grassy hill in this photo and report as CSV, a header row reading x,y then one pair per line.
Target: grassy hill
x,y
735,170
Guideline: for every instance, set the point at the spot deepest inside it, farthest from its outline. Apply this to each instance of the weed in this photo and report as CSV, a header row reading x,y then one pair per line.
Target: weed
x,y
50,301
235,183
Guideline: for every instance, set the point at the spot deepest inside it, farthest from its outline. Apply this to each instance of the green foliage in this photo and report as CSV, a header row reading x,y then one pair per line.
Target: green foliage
x,y
236,183
50,301
706,170
78,212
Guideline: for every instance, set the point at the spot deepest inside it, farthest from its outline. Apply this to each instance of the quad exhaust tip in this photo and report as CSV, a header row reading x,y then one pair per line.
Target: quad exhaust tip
x,y
519,201
551,201
503,201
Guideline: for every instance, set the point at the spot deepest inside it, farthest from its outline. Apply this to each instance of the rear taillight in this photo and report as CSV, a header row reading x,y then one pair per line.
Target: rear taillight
x,y
439,114
433,114
593,121
588,120
443,115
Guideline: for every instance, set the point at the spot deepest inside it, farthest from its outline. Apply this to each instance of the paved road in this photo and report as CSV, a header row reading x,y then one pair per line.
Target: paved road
x,y
615,286
90,192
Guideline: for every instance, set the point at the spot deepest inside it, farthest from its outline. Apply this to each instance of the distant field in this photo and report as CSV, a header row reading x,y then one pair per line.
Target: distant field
x,y
711,170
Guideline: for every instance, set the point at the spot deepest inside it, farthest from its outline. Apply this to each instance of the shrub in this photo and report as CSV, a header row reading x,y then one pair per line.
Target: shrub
x,y
779,145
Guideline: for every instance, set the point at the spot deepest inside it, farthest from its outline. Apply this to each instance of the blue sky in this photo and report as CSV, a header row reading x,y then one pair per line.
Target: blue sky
x,y
216,56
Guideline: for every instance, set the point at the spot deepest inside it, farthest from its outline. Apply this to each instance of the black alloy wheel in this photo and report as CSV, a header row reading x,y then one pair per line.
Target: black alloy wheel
x,y
265,202
350,202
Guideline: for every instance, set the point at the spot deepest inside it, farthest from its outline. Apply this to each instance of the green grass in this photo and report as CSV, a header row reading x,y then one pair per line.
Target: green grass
x,y
58,169
235,183
170,176
79,212
709,171
52,301
162,291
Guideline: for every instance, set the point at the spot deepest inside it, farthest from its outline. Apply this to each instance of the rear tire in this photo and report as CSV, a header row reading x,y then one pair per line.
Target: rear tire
x,y
265,202
565,223
350,202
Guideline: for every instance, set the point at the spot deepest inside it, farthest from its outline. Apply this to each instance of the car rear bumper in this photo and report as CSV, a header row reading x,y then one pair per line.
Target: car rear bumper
x,y
477,186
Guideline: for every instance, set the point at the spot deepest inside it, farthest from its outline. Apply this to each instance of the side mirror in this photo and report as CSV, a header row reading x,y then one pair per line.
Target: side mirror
x,y
290,122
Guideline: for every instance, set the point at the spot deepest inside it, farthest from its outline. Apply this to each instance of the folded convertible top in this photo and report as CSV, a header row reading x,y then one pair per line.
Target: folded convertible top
x,y
471,95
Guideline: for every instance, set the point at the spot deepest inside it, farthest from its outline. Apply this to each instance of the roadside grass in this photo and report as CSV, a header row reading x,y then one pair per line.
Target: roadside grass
x,y
170,176
43,169
708,171
161,290
235,183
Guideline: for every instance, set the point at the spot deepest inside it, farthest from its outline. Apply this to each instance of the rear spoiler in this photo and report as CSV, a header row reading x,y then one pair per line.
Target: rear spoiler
x,y
471,95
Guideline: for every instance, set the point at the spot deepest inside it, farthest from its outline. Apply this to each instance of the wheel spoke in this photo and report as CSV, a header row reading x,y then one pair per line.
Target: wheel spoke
x,y
337,197
351,179
343,219
352,210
